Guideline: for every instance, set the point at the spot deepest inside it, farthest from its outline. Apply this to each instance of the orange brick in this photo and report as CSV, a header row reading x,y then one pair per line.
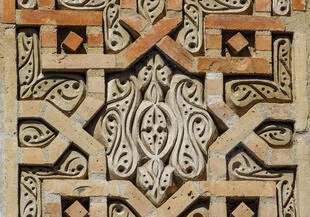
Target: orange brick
x,y
263,42
61,17
129,4
299,5
137,22
53,209
243,22
262,5
175,5
49,39
8,11
47,3
73,41
95,39
76,210
213,41
237,43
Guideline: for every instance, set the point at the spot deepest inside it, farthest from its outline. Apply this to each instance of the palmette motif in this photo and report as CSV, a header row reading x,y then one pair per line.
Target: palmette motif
x,y
170,124
72,165
242,167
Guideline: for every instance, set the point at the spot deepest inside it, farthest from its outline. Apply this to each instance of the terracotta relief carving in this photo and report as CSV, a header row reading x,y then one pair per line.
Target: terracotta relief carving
x,y
64,92
245,93
152,10
26,4
241,166
281,7
84,4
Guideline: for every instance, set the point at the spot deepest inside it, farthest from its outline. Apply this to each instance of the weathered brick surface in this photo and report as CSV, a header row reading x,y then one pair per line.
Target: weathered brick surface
x,y
154,108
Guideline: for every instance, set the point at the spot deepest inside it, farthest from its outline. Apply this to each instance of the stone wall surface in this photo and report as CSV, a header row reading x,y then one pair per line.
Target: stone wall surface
x,y
154,108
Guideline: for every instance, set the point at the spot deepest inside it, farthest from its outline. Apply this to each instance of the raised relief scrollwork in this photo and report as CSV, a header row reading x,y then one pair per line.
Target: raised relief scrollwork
x,y
83,4
245,93
196,129
72,165
192,33
119,209
281,7
26,4
242,167
116,36
114,127
35,134
152,10
155,129
277,134
64,93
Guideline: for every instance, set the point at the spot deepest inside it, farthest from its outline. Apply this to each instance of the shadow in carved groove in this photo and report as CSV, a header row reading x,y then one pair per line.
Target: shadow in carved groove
x,y
156,128
241,166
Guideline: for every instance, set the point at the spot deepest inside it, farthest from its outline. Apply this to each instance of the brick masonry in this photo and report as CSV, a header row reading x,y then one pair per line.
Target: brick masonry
x,y
161,108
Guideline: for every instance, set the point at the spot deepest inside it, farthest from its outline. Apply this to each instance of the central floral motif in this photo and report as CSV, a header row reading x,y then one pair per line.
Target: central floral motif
x,y
156,129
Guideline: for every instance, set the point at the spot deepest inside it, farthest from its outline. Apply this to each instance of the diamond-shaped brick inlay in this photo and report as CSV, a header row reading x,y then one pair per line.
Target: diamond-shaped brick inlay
x,y
73,41
76,210
242,211
237,43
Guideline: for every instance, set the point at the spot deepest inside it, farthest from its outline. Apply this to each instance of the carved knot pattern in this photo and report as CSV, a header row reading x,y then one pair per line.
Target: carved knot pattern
x,y
192,34
156,118
65,93
245,93
242,167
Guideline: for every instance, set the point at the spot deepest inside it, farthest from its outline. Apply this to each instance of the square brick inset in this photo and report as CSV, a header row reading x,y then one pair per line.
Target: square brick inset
x,y
263,42
242,211
73,41
76,210
237,43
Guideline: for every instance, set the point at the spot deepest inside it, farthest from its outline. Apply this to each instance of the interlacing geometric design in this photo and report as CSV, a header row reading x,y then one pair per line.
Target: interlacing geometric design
x,y
154,111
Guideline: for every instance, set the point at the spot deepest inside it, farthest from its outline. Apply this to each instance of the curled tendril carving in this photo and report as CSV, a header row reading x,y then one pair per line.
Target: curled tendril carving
x,y
26,4
241,167
119,209
72,165
65,93
35,134
152,10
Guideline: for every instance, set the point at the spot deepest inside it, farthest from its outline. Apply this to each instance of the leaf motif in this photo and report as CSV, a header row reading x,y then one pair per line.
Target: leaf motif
x,y
83,4
29,196
35,134
222,6
195,125
114,127
276,134
152,10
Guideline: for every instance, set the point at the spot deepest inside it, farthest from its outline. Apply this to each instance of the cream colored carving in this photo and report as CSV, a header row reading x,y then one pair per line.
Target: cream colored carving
x,y
152,10
198,211
241,166
116,37
245,93
155,129
276,134
281,7
73,165
65,93
83,4
35,134
114,127
26,4
118,209
196,129
192,34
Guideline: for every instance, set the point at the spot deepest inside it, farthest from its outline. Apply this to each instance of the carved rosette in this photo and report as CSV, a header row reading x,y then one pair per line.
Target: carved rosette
x,y
65,93
152,10
116,36
192,34
83,4
245,93
242,167
169,124
72,165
